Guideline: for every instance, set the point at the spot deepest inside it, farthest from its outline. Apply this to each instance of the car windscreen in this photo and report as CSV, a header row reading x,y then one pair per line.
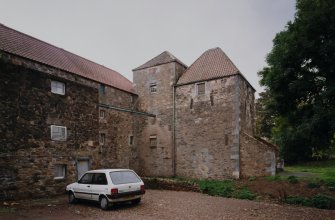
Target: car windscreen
x,y
123,177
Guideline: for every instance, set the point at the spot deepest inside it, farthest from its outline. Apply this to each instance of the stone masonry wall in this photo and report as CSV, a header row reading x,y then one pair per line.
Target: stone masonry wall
x,y
247,110
257,158
157,160
207,130
28,156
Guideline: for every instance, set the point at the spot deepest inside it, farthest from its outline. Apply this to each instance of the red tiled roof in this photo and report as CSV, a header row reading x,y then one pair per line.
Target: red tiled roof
x,y
213,63
23,45
165,57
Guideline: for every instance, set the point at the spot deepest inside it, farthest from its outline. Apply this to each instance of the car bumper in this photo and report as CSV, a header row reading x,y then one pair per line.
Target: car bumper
x,y
125,196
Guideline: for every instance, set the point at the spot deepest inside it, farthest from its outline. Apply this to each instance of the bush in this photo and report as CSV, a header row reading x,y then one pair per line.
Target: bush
x,y
293,179
313,184
244,194
215,187
330,185
322,201
297,200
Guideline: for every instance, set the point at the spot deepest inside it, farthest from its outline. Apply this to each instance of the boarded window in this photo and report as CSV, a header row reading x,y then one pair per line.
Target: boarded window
x,y
153,141
58,87
201,88
102,138
58,133
59,171
153,88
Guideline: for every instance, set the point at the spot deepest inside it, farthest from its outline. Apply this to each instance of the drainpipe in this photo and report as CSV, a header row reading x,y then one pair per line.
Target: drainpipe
x,y
173,122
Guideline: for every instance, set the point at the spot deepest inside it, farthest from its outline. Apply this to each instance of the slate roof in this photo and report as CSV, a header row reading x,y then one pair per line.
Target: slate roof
x,y
163,58
20,44
213,63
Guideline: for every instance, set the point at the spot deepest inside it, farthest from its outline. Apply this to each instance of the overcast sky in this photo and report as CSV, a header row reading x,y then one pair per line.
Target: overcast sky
x,y
124,34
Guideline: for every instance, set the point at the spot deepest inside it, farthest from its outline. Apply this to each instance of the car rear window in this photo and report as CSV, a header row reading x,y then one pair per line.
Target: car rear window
x,y
122,177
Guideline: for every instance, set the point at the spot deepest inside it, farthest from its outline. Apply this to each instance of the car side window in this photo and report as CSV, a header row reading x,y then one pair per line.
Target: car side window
x,y
100,179
86,179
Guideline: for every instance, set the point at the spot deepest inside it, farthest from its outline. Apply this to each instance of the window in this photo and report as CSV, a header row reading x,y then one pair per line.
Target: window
x,y
191,104
153,88
58,133
100,179
59,171
131,140
102,113
102,89
123,177
86,179
153,141
102,138
57,87
201,88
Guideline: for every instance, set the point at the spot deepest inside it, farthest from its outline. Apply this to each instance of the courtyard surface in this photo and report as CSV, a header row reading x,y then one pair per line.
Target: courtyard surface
x,y
161,204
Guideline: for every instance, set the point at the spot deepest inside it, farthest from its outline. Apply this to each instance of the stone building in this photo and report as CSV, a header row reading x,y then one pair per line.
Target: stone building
x,y
62,114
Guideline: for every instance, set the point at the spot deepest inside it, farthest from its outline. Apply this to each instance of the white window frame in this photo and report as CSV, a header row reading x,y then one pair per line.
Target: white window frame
x,y
60,138
63,171
153,137
57,87
102,113
198,84
102,138
153,88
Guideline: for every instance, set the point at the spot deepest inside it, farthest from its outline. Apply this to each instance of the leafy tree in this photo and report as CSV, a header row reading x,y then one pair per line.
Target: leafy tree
x,y
300,81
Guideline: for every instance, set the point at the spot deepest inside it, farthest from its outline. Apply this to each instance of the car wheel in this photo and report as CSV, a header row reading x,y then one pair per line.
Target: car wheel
x,y
72,198
136,201
104,204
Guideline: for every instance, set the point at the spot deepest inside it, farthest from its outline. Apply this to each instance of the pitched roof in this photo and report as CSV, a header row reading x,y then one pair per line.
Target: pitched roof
x,y
213,63
165,57
23,45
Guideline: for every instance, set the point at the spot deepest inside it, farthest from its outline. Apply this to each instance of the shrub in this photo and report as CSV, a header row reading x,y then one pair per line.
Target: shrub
x,y
293,179
322,201
330,185
313,184
215,187
244,194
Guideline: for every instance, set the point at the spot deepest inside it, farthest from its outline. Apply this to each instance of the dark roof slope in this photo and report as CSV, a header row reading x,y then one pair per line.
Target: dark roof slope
x,y
23,45
165,57
213,63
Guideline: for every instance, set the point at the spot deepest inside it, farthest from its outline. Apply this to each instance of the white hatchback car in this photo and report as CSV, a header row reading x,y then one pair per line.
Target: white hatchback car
x,y
107,186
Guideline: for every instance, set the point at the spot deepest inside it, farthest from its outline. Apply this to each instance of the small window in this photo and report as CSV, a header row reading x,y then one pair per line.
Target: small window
x,y
102,113
58,133
153,141
59,171
100,179
153,88
102,89
201,88
57,87
102,138
131,140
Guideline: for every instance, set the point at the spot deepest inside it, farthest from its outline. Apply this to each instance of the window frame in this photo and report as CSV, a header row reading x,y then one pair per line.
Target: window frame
x,y
54,84
58,139
63,170
102,139
153,88
204,89
155,143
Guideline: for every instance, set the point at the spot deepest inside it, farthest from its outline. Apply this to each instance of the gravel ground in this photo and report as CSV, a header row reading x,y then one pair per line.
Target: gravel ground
x,y
161,204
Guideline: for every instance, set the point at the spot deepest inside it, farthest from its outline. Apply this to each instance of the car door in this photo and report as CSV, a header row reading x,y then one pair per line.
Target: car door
x,y
83,188
99,186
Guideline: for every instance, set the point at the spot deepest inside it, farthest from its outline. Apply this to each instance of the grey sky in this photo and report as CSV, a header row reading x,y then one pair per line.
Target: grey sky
x,y
126,33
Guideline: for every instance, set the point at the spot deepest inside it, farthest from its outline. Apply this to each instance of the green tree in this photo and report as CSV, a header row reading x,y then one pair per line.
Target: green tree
x,y
300,81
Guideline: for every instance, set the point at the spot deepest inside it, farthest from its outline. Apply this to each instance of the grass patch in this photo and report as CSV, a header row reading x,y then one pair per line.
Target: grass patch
x,y
324,170
314,184
292,179
7,210
244,194
274,178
